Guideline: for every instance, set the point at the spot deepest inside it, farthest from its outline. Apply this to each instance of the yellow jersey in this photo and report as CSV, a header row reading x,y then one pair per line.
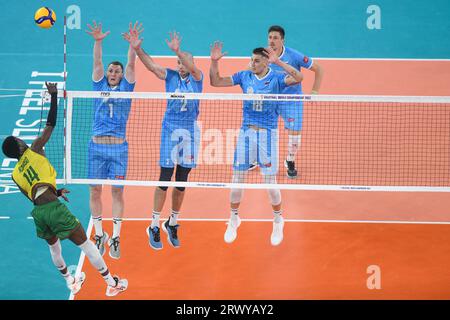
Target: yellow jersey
x,y
33,169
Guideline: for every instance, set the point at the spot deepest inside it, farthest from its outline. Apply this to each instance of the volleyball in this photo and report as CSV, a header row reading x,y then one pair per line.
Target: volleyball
x,y
45,17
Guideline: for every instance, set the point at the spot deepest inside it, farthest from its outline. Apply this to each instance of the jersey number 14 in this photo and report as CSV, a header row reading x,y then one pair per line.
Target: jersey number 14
x,y
31,175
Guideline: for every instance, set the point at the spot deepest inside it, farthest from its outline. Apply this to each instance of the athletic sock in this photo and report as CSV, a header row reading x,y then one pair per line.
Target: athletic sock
x,y
173,218
234,214
155,219
293,146
277,216
117,224
94,257
98,225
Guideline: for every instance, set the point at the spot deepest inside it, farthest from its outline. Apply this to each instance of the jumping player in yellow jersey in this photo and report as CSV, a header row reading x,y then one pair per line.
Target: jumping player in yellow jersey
x,y
36,178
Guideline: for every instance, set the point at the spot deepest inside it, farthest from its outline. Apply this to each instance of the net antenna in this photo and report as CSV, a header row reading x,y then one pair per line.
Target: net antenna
x,y
65,94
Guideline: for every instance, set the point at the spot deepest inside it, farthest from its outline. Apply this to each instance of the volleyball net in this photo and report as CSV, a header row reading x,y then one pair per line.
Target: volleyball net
x,y
386,143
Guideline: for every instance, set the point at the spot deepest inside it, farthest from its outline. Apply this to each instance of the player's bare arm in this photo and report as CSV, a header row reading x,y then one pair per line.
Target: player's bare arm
x,y
98,35
174,45
294,75
136,43
318,75
130,73
39,143
214,76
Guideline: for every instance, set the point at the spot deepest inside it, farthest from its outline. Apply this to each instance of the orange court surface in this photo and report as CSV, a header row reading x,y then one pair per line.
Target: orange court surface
x,y
332,239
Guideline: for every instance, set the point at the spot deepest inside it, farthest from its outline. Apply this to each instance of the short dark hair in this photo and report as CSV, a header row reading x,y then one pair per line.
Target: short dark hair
x,y
11,147
116,63
261,51
277,29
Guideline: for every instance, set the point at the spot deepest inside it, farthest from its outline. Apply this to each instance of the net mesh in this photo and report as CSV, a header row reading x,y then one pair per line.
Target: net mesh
x,y
346,141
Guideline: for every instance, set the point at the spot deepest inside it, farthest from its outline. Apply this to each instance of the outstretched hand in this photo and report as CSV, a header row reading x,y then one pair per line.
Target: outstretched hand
x,y
132,36
51,87
96,31
272,55
216,51
175,41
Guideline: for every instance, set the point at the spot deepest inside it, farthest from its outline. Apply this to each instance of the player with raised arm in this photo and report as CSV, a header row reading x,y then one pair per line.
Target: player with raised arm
x,y
108,148
292,111
36,178
180,135
257,141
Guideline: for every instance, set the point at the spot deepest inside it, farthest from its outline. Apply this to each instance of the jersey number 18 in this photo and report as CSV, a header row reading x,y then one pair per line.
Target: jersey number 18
x,y
257,106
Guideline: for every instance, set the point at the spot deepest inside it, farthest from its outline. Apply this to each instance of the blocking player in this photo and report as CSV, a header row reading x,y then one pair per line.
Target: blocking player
x,y
108,148
257,141
180,135
292,112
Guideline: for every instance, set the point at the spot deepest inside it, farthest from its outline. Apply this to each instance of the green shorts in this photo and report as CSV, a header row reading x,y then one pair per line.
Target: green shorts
x,y
54,219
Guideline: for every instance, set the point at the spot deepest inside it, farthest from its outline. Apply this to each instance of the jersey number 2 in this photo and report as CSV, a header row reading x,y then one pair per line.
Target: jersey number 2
x,y
31,175
183,105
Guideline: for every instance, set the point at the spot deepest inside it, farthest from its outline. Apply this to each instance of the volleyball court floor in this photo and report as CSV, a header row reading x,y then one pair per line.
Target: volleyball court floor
x,y
333,240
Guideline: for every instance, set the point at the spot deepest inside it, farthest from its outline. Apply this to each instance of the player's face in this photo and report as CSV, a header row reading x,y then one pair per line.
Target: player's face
x,y
258,64
275,40
182,69
114,74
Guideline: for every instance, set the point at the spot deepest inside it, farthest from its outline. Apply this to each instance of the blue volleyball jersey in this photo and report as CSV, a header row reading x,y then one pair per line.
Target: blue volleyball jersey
x,y
180,110
297,60
111,114
263,114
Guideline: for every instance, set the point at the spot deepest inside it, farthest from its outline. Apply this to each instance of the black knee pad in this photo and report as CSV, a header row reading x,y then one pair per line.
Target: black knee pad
x,y
182,175
165,175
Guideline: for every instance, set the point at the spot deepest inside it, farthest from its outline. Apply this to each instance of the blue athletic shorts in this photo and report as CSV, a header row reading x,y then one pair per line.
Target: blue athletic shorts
x,y
259,146
107,161
179,145
292,114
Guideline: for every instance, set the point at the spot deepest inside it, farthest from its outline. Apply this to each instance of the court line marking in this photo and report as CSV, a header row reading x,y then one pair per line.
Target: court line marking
x,y
4,217
301,220
82,255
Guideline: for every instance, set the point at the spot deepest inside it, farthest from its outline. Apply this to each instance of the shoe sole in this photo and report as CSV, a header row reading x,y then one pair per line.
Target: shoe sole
x,y
168,237
116,292
116,258
150,244
83,277
276,244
